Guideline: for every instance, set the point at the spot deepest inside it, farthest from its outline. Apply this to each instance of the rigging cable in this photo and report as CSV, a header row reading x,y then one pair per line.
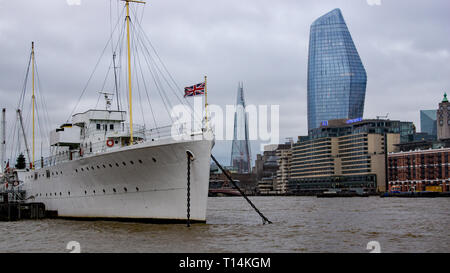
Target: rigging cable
x,y
95,68
168,73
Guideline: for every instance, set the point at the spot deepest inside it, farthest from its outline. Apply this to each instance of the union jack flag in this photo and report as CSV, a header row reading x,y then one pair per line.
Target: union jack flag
x,y
198,89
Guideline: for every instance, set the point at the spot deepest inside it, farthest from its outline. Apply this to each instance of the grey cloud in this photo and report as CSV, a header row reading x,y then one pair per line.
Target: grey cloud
x,y
404,46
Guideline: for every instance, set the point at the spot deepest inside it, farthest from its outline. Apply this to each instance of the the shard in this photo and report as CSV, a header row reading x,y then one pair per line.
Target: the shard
x,y
240,152
336,76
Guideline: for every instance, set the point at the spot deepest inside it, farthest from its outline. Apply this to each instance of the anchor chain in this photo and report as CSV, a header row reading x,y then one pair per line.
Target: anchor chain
x,y
264,218
188,189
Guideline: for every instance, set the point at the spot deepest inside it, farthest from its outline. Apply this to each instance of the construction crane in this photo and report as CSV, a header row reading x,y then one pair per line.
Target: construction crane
x,y
384,117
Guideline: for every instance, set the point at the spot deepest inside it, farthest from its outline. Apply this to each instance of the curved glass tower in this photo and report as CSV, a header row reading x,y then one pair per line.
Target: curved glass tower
x,y
336,76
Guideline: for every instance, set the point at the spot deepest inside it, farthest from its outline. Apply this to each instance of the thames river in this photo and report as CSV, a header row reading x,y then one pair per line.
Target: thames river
x,y
300,224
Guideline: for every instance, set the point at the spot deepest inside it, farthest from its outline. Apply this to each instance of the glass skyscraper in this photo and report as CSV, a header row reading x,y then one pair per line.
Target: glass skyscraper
x,y
428,122
240,150
336,76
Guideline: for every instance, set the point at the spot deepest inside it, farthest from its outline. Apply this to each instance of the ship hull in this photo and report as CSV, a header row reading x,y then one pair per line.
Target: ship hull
x,y
143,182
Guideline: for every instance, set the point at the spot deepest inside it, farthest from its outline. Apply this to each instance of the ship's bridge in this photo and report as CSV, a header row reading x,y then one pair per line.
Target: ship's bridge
x,y
103,125
95,127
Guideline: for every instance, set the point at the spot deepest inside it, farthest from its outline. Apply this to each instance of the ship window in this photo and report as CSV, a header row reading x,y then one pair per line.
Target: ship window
x,y
76,170
82,169
98,126
111,127
154,159
85,192
69,192
98,167
60,193
114,190
140,161
117,164
125,189
104,191
110,165
104,166
131,162
137,189
94,191
124,163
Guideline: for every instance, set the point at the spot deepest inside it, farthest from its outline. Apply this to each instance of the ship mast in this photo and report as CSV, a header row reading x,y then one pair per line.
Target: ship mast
x,y
33,102
127,4
2,164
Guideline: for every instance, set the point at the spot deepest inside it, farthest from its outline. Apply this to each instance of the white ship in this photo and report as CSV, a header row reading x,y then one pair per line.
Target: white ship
x,y
94,172
101,176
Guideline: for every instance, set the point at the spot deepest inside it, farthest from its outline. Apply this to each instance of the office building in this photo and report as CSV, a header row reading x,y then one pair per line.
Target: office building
x,y
344,154
419,170
336,76
428,122
240,151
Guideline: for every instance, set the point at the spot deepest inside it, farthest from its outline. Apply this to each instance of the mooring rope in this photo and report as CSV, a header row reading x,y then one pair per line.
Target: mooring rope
x,y
240,191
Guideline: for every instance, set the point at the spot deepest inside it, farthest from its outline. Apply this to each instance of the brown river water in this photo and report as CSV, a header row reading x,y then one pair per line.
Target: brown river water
x,y
300,224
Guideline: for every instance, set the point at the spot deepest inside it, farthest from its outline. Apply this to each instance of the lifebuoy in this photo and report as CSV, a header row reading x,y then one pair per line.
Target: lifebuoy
x,y
109,143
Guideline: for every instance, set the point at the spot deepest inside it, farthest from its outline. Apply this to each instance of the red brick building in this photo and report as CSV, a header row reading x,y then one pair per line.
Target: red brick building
x,y
419,170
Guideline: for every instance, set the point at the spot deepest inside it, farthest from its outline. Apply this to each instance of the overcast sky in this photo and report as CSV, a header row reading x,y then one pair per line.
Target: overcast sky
x,y
404,46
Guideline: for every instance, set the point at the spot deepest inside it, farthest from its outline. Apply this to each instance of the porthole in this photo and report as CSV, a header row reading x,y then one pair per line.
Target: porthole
x,y
125,189
137,189
131,162
92,168
69,193
76,170
82,169
104,191
154,159
55,193
140,161
60,193
114,190
98,167
117,164
110,165
124,163
104,167
94,191
85,192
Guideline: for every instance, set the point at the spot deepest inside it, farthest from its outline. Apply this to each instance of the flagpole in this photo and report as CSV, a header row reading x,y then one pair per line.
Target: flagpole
x,y
206,103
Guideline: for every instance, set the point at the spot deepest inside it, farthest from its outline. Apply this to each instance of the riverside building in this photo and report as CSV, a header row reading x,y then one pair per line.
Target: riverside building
x,y
420,170
345,154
